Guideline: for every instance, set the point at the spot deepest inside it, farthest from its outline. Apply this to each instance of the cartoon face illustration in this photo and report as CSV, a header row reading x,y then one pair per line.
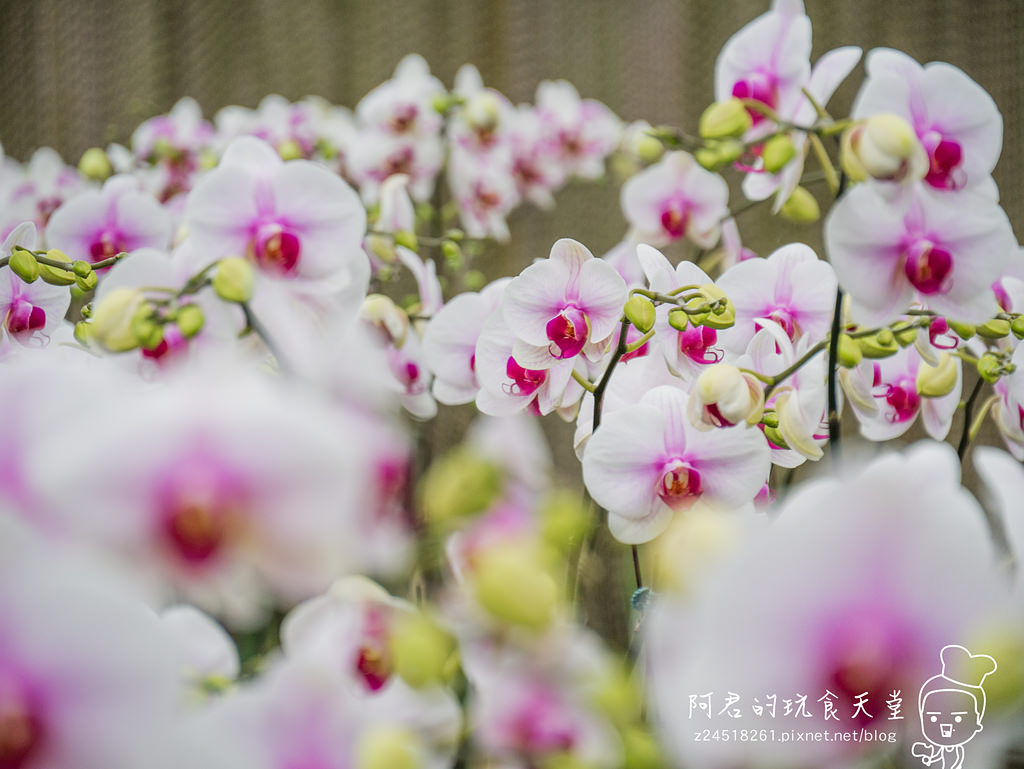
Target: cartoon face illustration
x,y
950,717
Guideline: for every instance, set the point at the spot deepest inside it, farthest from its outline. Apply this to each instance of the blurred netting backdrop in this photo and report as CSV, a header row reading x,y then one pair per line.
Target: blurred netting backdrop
x,y
80,73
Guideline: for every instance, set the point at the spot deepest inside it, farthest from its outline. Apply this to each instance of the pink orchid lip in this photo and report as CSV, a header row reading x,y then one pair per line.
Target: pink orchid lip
x,y
716,417
404,118
675,218
945,161
568,332
902,397
539,725
758,86
373,664
697,344
940,336
525,381
172,343
276,248
680,484
108,243
24,318
21,727
927,266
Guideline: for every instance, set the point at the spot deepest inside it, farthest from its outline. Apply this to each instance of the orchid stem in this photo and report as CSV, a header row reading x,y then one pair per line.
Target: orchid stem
x,y
585,383
965,436
833,355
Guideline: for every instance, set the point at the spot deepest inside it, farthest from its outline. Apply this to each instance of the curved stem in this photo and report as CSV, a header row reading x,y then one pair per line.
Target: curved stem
x,y
833,355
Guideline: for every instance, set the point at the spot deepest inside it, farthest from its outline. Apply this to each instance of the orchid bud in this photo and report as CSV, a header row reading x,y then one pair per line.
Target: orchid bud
x,y
936,381
81,268
233,279
290,149
679,320
640,750
647,147
801,207
849,353
389,747
883,147
881,345
963,330
406,239
482,111
724,396
147,331
381,312
725,119
458,485
56,276
452,254
1017,326
728,151
777,152
95,164
994,329
86,283
722,315
774,436
990,368
112,319
190,320
640,312
513,584
905,337
707,158
83,333
474,280
23,264
420,650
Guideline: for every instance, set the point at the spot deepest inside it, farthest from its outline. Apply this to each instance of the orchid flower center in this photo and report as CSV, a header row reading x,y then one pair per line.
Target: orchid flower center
x,y
945,158
525,381
199,506
373,664
172,343
568,332
697,344
902,398
674,218
20,728
541,725
927,266
276,248
680,484
24,318
404,118
108,243
784,317
758,86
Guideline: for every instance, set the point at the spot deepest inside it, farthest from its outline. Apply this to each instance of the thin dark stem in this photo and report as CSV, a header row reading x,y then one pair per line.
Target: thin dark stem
x,y
636,568
833,356
965,436
620,350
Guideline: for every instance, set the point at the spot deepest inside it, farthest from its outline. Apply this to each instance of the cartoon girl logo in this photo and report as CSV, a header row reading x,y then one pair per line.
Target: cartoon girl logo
x,y
951,706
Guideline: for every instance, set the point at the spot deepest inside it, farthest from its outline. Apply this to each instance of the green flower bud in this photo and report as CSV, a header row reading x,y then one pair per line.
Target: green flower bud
x,y
112,319
774,434
905,337
801,207
963,330
86,283
886,337
406,239
474,280
936,381
81,268
882,147
849,353
881,345
990,368
233,279
83,333
725,119
994,329
639,311
723,315
458,485
190,320
420,650
679,320
777,152
1017,326
147,331
94,164
707,158
728,151
54,275
389,747
770,419
452,254
23,264
513,584
289,149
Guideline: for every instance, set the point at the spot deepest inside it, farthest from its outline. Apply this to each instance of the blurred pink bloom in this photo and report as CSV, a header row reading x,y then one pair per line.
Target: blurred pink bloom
x,y
580,133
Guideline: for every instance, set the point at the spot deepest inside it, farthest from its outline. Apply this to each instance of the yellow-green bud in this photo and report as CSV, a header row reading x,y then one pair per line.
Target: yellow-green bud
x,y
849,353
55,276
513,584
147,331
882,147
474,280
420,650
648,148
289,149
459,484
770,419
639,311
406,239
881,345
774,434
707,158
86,283
389,747
728,151
723,315
1017,326
23,264
777,152
641,750
81,268
886,337
725,119
994,329
679,320
452,254
905,337
112,319
233,279
94,164
83,333
963,330
801,207
190,320
936,381
989,368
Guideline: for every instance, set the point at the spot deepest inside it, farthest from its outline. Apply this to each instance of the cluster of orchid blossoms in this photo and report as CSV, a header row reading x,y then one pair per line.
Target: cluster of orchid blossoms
x,y
221,545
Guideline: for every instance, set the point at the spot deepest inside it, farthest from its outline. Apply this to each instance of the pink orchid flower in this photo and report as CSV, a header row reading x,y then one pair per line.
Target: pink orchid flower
x,y
293,220
676,198
567,305
98,224
647,462
792,288
29,312
955,119
580,133
941,251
